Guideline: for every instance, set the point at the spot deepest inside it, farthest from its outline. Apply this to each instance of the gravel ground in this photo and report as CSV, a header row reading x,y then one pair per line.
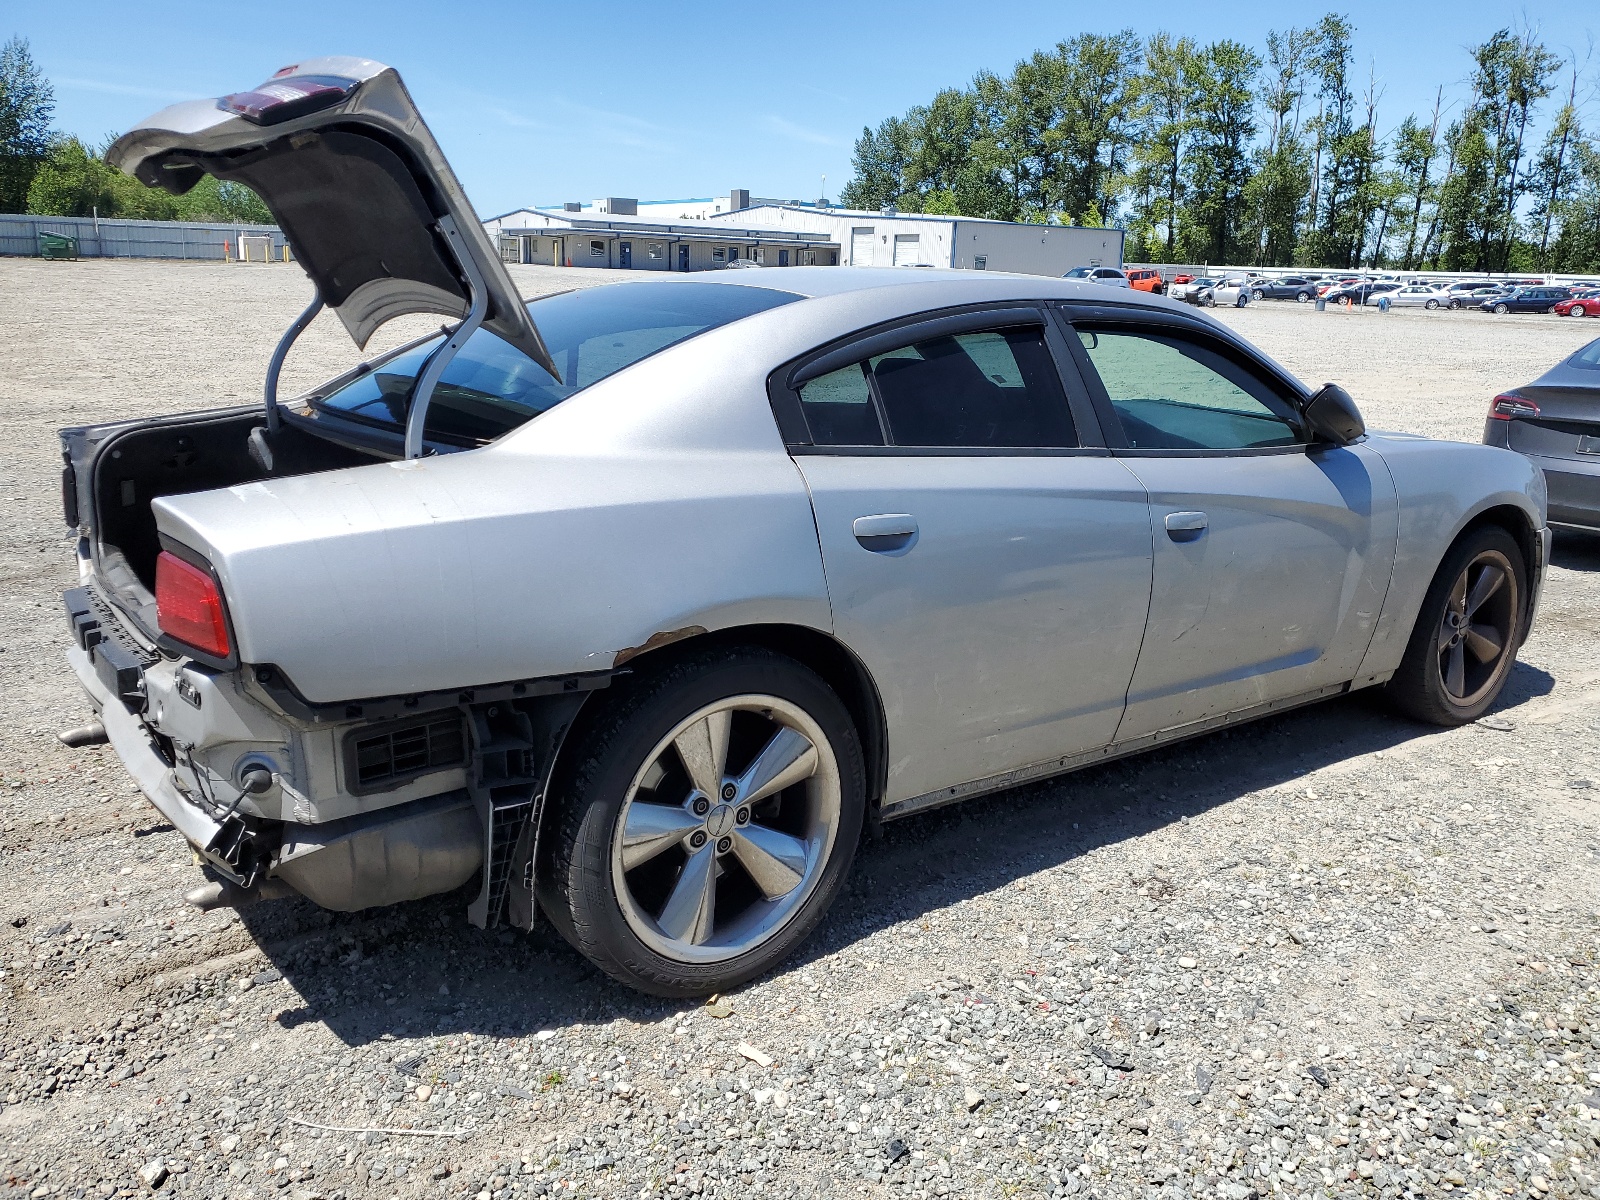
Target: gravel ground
x,y
1329,954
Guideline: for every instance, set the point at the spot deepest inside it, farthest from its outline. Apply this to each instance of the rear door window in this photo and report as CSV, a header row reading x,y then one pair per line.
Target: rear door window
x,y
984,390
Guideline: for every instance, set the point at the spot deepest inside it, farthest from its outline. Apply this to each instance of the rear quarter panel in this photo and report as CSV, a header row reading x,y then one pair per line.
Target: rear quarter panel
x,y
1441,487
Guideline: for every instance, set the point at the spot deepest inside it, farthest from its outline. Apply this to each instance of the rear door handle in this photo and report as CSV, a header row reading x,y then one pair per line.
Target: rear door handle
x,y
885,533
1185,526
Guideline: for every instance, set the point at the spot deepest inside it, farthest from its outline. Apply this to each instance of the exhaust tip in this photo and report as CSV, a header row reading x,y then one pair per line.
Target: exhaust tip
x,y
220,893
92,734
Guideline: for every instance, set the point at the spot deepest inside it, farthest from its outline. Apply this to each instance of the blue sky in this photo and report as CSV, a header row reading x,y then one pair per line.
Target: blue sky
x,y
540,103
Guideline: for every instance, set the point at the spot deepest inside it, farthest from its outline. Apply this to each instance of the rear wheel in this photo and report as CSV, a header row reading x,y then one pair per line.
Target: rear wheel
x,y
1502,309
711,817
1467,633
1430,304
1258,294
1302,297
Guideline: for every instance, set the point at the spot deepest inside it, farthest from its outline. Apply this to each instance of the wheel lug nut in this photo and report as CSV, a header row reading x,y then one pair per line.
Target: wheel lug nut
x,y
701,806
729,791
697,838
743,816
724,845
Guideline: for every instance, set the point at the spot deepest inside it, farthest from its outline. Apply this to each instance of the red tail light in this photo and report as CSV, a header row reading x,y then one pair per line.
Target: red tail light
x,y
189,606
1507,407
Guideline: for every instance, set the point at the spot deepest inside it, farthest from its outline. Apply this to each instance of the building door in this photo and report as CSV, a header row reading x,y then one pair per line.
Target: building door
x,y
625,255
683,258
783,258
862,241
907,250
556,259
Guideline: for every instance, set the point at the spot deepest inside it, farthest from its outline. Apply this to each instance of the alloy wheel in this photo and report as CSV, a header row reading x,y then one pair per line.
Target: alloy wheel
x,y
1475,632
726,829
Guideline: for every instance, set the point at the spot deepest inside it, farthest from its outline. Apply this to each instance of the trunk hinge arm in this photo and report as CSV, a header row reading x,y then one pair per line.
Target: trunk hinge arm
x,y
275,367
477,311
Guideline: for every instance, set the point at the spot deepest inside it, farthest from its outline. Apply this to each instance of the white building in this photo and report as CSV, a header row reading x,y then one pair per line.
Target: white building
x,y
888,238
708,233
632,242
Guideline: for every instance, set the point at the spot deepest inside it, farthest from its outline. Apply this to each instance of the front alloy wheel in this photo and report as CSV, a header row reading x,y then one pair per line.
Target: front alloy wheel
x,y
1468,631
707,822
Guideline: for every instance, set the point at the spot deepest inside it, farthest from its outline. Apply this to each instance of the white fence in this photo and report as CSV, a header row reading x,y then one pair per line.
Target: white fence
x,y
105,238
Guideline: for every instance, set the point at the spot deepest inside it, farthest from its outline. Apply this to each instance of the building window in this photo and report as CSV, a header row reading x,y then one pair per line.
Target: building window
x,y
808,258
980,262
597,249
656,251
718,254
759,255
510,251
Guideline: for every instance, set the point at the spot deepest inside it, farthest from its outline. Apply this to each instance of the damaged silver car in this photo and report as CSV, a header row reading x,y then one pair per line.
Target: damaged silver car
x,y
632,605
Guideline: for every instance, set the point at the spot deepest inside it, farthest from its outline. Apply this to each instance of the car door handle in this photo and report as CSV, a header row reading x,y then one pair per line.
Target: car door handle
x,y
1185,526
885,533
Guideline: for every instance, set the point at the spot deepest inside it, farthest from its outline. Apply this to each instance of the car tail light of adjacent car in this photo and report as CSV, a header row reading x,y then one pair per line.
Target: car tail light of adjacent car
x,y
1508,408
189,606
283,98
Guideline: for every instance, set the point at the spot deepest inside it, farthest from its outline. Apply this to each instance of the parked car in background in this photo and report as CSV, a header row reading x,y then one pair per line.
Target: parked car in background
x,y
1525,300
1191,291
1360,292
1585,303
1555,421
1418,295
1108,276
1144,279
1299,288
1327,286
1476,296
1230,292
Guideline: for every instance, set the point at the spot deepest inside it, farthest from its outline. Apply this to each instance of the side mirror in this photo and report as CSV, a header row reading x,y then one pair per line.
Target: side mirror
x,y
1332,416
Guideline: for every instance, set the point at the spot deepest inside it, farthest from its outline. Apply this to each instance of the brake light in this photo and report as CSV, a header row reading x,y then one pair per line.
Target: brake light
x,y
282,99
1509,408
189,606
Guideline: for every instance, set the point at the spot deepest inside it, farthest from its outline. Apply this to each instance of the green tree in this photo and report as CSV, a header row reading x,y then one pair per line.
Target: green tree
x,y
27,102
1212,225
878,166
1554,177
1096,80
72,181
1164,120
1416,147
1276,195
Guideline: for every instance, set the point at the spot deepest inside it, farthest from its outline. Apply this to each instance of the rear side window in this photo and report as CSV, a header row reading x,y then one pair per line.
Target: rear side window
x,y
1587,358
1174,393
986,390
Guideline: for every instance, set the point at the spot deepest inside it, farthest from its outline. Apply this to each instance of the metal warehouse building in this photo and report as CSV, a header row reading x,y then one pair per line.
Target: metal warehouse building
x,y
617,237
888,238
701,235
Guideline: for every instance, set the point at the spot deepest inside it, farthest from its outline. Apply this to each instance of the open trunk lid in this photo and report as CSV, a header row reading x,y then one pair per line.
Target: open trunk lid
x,y
336,149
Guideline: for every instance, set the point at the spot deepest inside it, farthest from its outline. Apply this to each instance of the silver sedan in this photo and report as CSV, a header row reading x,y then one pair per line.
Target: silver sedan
x,y
633,605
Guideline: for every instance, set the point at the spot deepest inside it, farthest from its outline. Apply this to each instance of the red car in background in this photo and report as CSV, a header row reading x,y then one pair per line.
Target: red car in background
x,y
1584,304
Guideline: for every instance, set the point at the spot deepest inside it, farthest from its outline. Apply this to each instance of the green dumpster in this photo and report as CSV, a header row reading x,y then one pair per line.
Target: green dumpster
x,y
57,245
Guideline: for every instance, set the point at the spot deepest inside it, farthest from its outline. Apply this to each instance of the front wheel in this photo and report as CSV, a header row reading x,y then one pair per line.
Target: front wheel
x,y
1209,300
708,823
1467,633
1258,294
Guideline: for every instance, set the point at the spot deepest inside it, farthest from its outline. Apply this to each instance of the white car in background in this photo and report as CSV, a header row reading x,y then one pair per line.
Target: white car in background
x,y
1418,295
1109,276
1233,292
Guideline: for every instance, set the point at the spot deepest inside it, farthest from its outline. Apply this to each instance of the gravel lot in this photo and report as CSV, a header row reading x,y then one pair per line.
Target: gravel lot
x,y
1330,954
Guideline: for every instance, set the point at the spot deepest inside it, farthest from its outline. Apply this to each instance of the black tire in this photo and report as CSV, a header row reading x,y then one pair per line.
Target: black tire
x,y
1419,688
576,887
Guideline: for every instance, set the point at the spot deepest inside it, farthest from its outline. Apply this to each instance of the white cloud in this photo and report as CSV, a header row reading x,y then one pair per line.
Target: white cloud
x,y
122,89
799,133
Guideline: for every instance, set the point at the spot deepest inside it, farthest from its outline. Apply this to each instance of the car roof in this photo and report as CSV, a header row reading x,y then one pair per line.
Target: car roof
x,y
942,285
